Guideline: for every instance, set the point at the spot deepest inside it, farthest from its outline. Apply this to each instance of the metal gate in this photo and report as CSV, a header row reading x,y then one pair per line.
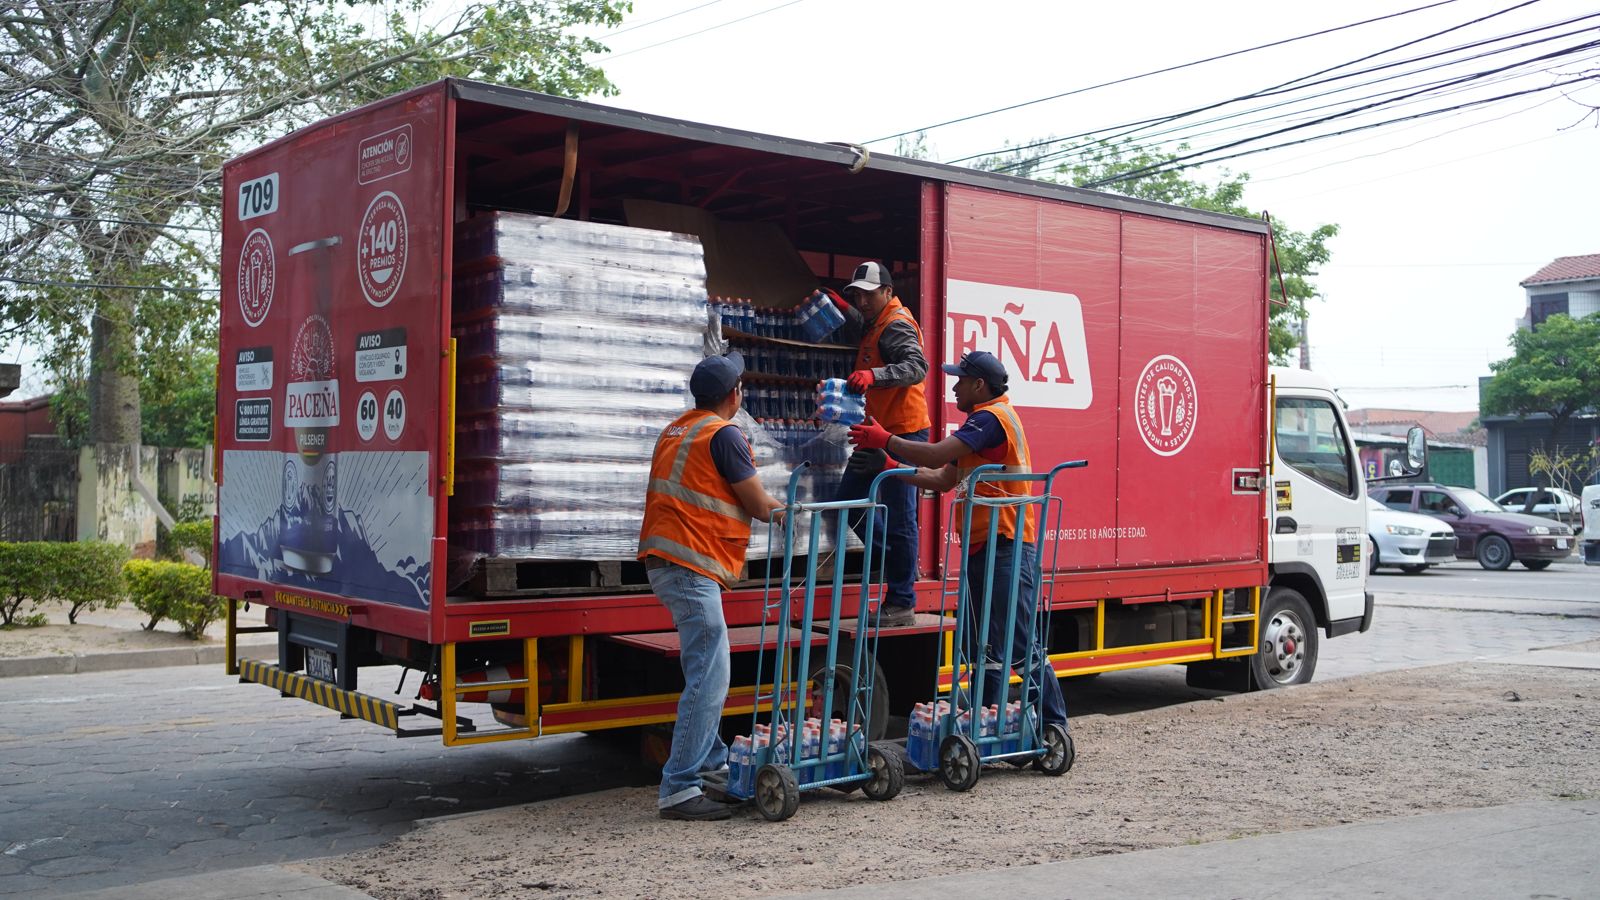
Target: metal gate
x,y
38,494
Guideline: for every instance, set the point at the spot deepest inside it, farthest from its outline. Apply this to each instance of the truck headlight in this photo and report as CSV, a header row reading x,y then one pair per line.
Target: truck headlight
x,y
1402,529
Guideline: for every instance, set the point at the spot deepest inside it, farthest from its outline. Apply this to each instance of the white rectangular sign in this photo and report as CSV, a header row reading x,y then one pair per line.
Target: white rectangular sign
x,y
1037,335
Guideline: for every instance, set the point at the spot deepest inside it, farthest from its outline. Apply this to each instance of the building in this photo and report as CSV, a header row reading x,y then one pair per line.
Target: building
x,y
1570,285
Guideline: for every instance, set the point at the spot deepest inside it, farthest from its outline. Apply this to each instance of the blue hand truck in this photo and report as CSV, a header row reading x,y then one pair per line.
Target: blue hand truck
x,y
957,732
792,753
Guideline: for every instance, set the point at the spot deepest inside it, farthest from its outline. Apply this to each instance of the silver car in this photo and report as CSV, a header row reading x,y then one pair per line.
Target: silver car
x,y
1407,540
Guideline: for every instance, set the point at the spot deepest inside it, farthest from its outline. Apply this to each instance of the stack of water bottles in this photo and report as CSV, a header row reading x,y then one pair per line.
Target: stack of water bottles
x,y
922,735
749,753
813,320
574,341
837,404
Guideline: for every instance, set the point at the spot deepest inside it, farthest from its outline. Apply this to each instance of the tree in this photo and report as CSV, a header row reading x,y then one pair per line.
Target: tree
x,y
1554,369
1128,169
116,116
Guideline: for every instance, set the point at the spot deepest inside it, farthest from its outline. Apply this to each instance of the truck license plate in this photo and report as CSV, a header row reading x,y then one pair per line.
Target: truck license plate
x,y
319,664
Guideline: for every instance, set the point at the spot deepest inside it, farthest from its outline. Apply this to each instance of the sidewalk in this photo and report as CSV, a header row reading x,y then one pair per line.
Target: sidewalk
x,y
111,639
1527,850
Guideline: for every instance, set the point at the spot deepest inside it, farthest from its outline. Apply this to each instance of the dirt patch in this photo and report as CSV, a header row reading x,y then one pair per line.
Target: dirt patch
x,y
1388,745
104,630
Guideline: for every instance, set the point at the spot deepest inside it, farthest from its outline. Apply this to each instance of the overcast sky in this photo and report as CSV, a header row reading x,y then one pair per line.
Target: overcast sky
x,y
1441,218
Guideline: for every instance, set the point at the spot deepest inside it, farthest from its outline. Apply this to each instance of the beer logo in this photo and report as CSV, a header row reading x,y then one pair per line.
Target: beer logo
x,y
1165,405
258,275
381,249
311,357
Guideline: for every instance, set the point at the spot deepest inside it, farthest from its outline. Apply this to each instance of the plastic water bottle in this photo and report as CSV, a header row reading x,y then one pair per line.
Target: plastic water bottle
x,y
837,404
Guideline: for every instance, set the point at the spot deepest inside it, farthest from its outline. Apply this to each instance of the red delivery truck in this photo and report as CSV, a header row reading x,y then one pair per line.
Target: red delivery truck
x,y
375,502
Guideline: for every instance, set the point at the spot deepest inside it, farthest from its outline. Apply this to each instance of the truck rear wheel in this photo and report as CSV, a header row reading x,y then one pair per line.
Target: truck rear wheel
x,y
1287,652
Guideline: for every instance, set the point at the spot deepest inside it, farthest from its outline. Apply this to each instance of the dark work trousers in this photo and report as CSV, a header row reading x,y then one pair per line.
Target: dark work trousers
x,y
997,672
896,539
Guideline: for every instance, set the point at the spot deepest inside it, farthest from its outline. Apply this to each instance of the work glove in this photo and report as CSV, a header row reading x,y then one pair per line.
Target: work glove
x,y
869,435
867,463
839,302
859,381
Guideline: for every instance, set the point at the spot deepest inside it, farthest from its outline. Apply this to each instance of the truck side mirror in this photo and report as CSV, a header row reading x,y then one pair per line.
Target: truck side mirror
x,y
1416,449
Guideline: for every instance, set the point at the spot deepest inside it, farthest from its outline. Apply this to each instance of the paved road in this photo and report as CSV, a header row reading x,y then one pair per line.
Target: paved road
x,y
1568,582
124,777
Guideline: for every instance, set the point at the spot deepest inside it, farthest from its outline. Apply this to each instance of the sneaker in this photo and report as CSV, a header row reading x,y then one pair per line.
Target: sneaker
x,y
697,809
896,616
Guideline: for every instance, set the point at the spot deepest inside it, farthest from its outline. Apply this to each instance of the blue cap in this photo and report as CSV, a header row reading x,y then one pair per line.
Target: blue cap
x,y
715,376
980,364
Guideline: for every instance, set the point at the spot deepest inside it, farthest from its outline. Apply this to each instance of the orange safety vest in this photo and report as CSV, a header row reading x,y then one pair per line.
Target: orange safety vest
x,y
691,515
1017,459
899,409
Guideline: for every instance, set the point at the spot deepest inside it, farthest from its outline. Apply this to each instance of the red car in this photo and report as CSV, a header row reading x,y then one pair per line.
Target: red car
x,y
1484,530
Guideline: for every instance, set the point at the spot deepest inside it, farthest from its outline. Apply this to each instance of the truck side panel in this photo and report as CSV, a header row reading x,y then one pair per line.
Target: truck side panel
x,y
1133,342
330,363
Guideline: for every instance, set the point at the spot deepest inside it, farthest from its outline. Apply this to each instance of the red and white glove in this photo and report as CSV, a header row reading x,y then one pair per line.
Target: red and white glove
x,y
859,381
839,302
869,435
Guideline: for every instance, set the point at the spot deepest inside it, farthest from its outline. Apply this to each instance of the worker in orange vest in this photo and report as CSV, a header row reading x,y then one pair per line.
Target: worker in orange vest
x,y
890,369
992,433
702,494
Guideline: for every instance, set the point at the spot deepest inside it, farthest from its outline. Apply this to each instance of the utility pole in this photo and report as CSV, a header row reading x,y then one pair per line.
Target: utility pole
x,y
1305,345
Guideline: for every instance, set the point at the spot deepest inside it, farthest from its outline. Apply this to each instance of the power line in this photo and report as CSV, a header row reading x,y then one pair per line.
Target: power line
x,y
42,215
1187,65
110,287
691,34
680,12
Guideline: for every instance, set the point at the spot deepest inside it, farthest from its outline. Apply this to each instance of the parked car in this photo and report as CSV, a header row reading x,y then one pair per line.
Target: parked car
x,y
1484,530
1407,540
1548,502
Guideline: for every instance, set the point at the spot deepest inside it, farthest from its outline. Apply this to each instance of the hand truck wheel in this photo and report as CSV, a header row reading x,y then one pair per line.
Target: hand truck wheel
x,y
888,772
777,793
1059,753
958,762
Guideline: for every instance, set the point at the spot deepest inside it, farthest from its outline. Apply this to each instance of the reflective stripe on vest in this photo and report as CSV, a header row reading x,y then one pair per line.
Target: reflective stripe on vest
x,y
691,515
1017,461
899,409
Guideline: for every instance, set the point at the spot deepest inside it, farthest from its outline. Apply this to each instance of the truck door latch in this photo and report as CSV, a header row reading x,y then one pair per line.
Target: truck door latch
x,y
1248,481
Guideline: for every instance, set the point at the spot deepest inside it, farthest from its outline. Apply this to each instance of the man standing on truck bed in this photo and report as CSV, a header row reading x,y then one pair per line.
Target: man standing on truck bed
x,y
992,434
702,494
890,369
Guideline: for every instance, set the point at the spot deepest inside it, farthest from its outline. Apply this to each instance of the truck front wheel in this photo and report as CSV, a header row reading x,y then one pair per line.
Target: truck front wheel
x,y
1287,651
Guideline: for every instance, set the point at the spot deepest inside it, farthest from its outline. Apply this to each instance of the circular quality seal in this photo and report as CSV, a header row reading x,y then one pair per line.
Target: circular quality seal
x,y
381,248
1165,405
258,276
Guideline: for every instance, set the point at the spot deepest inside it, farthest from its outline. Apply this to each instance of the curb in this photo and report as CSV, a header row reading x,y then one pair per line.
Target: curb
x,y
110,661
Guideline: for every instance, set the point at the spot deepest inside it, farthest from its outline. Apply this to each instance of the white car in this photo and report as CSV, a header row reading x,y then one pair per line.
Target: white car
x,y
1407,540
1549,502
1590,542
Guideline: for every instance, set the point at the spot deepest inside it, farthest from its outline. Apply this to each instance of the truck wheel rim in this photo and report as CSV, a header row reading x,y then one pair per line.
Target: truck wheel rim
x,y
1283,644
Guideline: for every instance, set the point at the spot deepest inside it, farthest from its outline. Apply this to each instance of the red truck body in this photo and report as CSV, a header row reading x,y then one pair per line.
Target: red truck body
x,y
1135,332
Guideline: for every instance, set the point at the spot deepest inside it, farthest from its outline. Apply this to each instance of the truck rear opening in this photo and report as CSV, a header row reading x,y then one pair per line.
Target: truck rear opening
x,y
1136,333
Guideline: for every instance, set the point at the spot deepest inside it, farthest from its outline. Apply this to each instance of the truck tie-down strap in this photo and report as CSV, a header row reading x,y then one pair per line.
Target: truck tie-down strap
x,y
350,703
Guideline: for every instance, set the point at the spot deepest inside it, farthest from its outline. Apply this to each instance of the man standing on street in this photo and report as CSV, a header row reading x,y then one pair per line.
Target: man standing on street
x,y
890,369
992,433
702,494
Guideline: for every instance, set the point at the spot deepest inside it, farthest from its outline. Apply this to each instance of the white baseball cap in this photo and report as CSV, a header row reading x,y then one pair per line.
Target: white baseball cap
x,y
869,276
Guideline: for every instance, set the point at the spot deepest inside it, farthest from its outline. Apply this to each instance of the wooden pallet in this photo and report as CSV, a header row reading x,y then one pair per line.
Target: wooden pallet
x,y
502,577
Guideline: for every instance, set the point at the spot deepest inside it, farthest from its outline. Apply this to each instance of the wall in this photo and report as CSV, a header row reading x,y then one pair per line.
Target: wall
x,y
109,509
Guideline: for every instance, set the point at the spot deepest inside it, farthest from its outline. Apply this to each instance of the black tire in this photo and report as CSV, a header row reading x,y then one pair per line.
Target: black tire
x,y
888,770
1417,569
1494,553
1286,652
878,716
958,762
1059,752
1537,565
1372,564
777,793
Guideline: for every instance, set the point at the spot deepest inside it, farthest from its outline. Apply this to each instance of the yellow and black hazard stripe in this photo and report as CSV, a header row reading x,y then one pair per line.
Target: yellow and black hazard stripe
x,y
360,706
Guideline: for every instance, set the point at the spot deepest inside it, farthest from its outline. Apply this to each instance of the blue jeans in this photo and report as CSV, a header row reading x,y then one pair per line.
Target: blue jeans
x,y
896,540
998,673
695,602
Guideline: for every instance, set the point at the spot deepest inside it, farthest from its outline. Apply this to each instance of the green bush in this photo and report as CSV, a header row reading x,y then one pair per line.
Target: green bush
x,y
27,573
194,536
173,590
88,576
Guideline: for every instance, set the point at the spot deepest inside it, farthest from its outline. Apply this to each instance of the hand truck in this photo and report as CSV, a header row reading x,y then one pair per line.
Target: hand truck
x,y
958,732
791,753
